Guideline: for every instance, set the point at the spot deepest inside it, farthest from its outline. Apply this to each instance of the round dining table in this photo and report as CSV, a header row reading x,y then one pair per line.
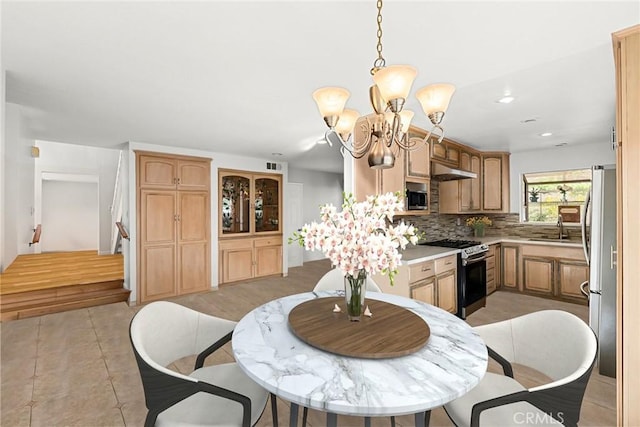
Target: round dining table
x,y
452,362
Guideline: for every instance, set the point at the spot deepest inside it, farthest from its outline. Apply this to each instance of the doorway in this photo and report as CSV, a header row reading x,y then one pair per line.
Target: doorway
x,y
69,213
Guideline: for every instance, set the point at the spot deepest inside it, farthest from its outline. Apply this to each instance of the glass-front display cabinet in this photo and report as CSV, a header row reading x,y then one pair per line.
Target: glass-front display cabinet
x,y
249,203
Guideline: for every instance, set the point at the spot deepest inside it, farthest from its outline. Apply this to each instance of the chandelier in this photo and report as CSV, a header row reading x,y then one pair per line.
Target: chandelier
x,y
384,132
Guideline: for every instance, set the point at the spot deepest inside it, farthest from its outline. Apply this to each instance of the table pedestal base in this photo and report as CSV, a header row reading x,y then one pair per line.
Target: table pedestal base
x,y
421,418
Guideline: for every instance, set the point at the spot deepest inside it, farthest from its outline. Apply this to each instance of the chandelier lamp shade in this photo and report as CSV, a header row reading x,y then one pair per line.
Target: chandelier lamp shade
x,y
385,131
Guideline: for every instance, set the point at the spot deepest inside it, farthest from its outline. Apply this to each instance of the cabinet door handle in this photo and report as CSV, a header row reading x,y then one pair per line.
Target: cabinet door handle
x,y
426,268
614,253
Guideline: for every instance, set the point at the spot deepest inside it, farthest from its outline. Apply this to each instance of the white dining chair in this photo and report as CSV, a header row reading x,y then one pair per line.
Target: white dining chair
x,y
334,280
218,395
556,343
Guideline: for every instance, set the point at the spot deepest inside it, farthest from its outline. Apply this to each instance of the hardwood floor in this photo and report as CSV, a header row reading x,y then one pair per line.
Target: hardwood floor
x,y
38,284
55,269
76,368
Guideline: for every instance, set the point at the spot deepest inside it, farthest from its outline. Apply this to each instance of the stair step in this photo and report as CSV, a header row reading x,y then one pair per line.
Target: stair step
x,y
63,303
53,294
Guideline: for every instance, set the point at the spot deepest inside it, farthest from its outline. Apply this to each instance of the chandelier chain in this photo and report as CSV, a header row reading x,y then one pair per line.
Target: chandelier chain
x,y
379,62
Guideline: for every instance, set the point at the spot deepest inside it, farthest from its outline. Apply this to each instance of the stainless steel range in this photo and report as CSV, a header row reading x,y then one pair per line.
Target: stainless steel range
x,y
472,273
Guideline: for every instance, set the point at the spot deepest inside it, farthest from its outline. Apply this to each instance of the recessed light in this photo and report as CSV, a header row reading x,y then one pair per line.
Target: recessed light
x,y
321,141
506,99
546,134
276,154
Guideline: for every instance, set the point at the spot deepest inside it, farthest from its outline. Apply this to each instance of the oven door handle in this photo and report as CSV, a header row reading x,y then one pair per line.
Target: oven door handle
x,y
473,260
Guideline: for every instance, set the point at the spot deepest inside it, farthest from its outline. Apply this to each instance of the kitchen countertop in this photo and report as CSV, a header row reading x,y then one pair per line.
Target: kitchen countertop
x,y
418,253
491,240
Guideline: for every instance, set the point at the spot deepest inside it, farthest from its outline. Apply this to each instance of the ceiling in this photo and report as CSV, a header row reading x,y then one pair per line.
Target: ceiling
x,y
237,77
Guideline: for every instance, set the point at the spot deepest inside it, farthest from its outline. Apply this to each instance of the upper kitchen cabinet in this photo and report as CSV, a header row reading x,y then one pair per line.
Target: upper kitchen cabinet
x,y
249,203
418,161
463,195
495,182
447,152
370,181
173,173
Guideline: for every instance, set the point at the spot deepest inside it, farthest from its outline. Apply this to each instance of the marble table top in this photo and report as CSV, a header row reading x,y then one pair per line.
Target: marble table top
x,y
452,362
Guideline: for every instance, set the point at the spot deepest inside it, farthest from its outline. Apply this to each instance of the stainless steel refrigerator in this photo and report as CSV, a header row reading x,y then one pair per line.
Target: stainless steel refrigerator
x,y
599,242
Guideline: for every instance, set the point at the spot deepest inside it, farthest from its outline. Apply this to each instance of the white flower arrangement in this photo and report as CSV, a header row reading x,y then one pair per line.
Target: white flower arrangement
x,y
362,236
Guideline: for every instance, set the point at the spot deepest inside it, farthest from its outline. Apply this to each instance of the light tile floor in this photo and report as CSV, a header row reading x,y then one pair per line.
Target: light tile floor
x,y
77,368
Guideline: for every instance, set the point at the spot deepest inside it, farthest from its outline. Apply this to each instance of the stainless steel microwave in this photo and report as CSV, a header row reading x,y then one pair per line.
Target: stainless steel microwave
x,y
417,196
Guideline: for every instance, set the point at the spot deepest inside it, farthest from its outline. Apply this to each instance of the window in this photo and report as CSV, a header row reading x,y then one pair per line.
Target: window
x,y
547,193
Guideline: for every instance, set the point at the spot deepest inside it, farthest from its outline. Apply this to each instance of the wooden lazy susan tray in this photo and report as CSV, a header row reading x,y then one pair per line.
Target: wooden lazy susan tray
x,y
391,331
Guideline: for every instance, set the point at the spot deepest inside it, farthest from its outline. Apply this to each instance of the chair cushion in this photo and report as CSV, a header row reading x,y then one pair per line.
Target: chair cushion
x,y
514,414
206,409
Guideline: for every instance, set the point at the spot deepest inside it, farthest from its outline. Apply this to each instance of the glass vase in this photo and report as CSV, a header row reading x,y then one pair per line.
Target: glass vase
x,y
478,231
355,288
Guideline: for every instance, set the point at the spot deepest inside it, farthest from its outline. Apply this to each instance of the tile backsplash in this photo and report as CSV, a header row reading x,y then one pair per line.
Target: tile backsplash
x,y
445,226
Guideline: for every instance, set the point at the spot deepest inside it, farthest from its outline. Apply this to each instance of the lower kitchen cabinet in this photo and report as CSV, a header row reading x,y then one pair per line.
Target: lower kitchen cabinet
x,y
509,267
434,282
424,291
447,291
242,259
493,266
570,275
447,283
545,270
537,275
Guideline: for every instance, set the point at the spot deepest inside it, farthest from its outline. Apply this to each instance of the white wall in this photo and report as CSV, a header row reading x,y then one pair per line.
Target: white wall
x,y
69,216
219,161
73,159
18,167
319,188
553,159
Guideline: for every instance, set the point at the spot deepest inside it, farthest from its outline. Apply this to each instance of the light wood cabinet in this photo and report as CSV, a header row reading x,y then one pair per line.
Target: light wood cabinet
x,y
570,275
433,282
537,275
495,182
370,181
626,48
424,291
446,152
447,296
509,267
545,270
174,226
464,195
158,171
492,276
250,225
247,258
418,161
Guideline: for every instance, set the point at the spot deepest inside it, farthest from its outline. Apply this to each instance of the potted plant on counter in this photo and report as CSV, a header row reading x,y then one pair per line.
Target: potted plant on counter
x,y
478,223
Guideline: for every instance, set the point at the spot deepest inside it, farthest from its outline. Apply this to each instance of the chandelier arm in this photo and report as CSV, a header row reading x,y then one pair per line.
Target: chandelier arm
x,y
409,144
441,136
357,151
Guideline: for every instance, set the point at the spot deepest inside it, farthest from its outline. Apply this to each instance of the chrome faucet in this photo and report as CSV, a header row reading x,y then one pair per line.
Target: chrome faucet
x,y
559,224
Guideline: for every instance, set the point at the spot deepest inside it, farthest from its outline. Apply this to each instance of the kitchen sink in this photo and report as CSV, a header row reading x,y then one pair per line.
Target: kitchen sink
x,y
550,239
